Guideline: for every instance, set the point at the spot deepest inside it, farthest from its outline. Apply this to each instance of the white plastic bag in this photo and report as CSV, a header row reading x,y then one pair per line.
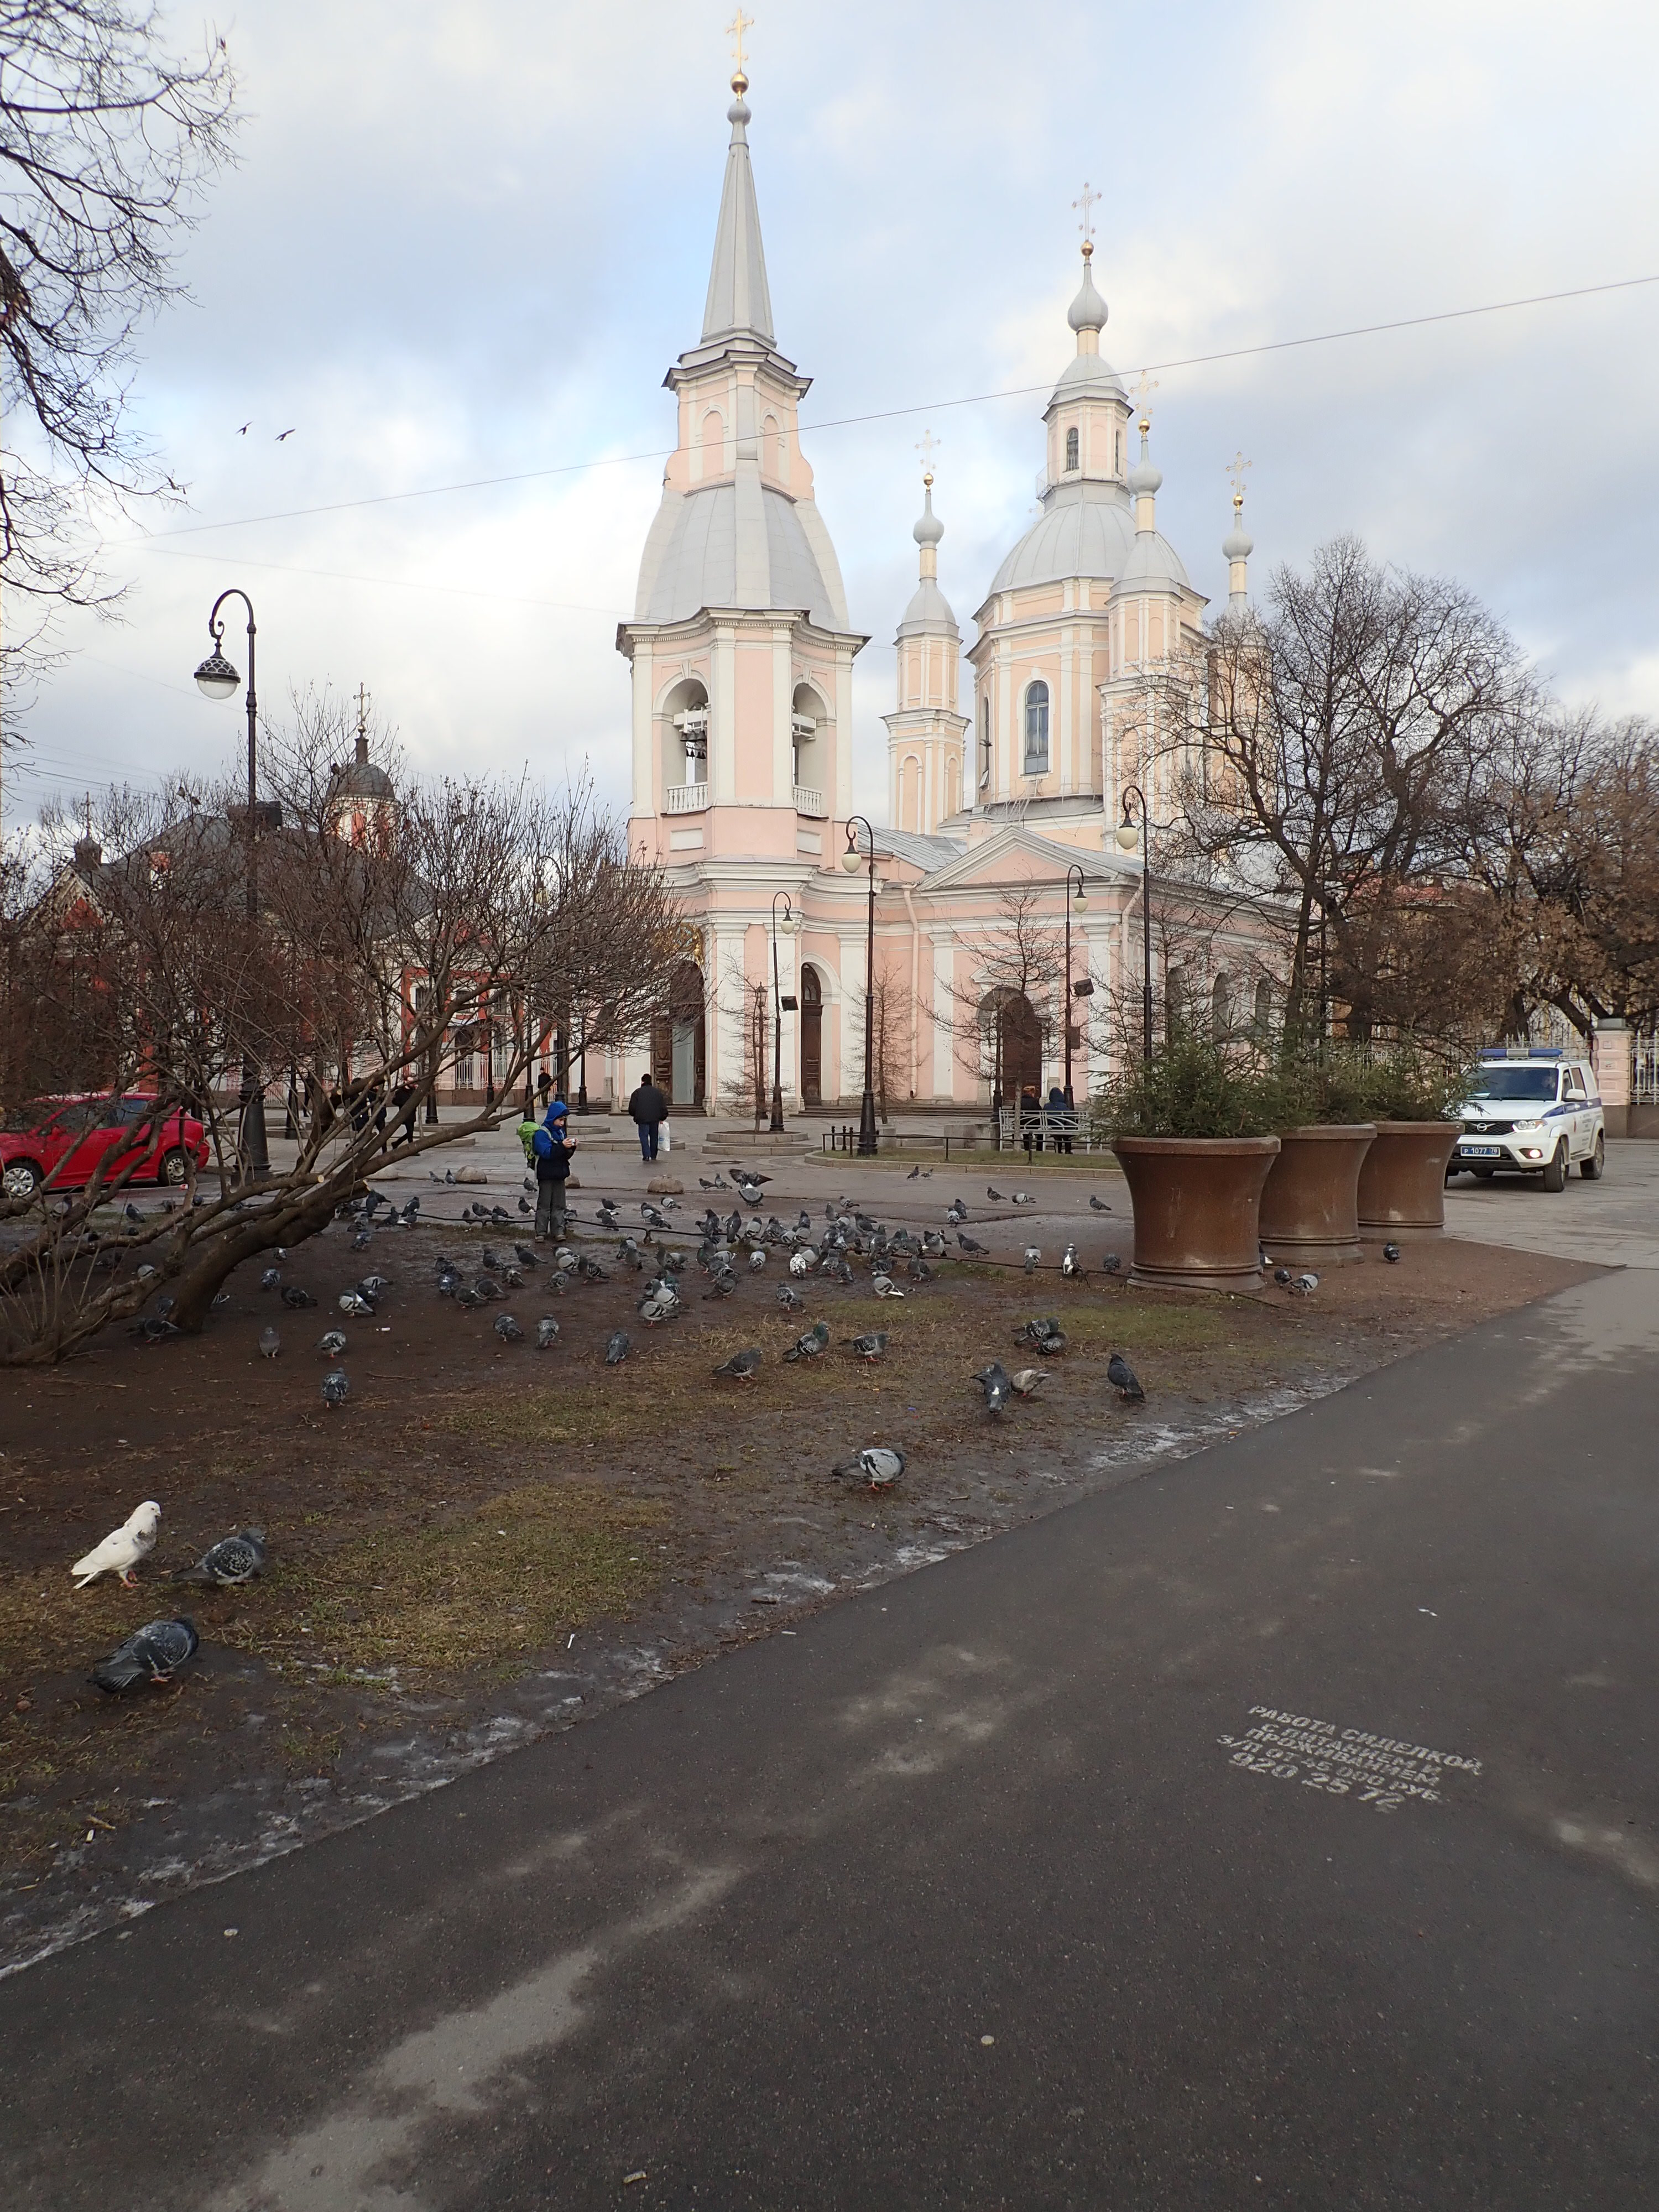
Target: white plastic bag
x,y
664,1141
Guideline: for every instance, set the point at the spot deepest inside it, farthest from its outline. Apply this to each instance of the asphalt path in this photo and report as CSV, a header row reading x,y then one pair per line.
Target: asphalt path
x,y
999,1885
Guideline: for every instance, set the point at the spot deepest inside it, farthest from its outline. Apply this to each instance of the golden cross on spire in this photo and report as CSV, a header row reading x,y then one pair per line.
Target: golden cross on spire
x,y
1236,469
1144,387
362,711
739,24
927,445
1088,198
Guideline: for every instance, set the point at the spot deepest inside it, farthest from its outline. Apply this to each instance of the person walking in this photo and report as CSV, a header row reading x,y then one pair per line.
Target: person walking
x,y
551,1147
545,1088
649,1108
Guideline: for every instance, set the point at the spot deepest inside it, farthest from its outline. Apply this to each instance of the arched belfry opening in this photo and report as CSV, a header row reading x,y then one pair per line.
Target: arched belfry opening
x,y
684,743
808,717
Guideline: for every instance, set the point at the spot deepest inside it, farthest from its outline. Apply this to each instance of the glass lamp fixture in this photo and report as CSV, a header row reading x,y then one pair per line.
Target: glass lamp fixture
x,y
217,678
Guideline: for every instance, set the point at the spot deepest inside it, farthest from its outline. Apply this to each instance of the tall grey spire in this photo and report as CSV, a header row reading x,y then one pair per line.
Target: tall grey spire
x,y
738,297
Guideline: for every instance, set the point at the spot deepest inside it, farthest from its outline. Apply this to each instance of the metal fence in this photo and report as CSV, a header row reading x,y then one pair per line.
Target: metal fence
x,y
1645,1069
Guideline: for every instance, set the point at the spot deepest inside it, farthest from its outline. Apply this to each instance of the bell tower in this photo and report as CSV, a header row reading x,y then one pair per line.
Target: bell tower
x,y
925,735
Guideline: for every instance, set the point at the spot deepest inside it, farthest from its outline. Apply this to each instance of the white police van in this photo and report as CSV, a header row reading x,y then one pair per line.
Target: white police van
x,y
1531,1113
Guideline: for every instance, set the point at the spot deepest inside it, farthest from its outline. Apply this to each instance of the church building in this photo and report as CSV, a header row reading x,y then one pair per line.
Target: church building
x,y
1001,847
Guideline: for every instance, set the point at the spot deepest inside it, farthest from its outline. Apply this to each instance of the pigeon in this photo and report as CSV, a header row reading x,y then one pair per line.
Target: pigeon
x,y
812,1346
155,1328
1391,1252
590,1271
1046,1334
122,1549
271,1277
920,1271
513,1277
1033,1256
296,1299
524,1206
361,1239
486,1287
879,1464
1024,1198
371,1286
1097,1205
269,1344
885,1287
337,1387
356,1305
649,1212
703,1183
993,1381
1111,1263
1282,1277
332,1343
914,1173
565,1258
617,1349
221,1301
507,1329
449,1283
756,1262
790,1300
1300,1286
608,1217
804,1261
662,1302
469,1297
956,1213
490,1259
232,1560
547,1333
743,1366
150,1654
1123,1378
933,1244
1027,1381
526,1257
968,1244
990,1192
558,1281
1068,1266
410,1211
869,1346
750,1178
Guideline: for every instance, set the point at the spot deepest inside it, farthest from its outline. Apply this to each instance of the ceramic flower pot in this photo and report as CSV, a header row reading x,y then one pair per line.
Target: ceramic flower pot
x,y
1310,1201
1197,1208
1402,1181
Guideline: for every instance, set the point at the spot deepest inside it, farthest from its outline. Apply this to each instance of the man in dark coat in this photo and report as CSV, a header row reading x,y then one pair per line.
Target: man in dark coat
x,y
649,1108
551,1148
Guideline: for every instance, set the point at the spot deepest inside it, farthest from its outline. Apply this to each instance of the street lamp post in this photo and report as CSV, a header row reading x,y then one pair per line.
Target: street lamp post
x,y
788,926
849,861
217,679
1073,899
1125,838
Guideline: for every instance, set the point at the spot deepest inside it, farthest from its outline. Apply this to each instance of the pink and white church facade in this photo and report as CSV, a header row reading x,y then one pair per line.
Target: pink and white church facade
x,y
741,650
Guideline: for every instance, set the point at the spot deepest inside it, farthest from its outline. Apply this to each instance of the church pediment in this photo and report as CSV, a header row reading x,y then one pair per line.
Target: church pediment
x,y
1018,855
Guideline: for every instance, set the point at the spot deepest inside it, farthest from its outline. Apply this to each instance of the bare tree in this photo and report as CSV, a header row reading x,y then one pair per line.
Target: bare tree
x,y
892,1032
106,141
1011,1002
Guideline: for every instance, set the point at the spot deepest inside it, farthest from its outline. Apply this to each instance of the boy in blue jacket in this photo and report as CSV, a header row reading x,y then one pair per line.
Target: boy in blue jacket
x,y
551,1148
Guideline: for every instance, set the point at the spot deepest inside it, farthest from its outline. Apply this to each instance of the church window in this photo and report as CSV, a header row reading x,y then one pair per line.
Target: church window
x,y
713,442
1118,469
1070,449
1037,729
985,740
1221,1008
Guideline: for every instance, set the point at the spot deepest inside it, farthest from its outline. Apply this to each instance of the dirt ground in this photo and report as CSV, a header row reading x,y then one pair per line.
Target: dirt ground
x,y
488,1541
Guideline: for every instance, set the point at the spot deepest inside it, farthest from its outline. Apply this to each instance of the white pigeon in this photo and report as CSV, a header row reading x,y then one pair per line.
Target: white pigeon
x,y
804,1261
885,1287
1033,1258
122,1549
756,1262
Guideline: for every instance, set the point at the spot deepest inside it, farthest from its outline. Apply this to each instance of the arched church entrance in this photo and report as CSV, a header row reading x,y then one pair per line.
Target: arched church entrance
x,y
1013,1037
679,1039
811,1038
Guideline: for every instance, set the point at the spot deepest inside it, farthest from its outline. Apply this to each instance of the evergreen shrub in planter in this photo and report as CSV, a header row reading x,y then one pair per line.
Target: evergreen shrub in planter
x,y
1192,1130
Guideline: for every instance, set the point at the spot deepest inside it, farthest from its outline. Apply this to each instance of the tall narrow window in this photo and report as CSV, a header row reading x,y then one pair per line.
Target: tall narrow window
x,y
1118,469
1037,729
1070,449
985,740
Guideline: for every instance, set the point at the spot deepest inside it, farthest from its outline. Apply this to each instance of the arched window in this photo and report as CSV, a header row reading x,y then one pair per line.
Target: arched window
x,y
1221,1008
769,441
1037,729
1118,465
1070,449
985,741
713,442
952,784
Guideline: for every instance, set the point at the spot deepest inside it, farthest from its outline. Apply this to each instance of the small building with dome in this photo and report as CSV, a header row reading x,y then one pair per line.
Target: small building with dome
x,y
1090,638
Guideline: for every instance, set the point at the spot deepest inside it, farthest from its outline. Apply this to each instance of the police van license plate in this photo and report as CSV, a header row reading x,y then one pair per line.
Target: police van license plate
x,y
1480,1151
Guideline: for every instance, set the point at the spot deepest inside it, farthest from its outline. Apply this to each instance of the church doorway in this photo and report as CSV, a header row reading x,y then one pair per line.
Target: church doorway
x,y
679,1039
811,1038
1013,1036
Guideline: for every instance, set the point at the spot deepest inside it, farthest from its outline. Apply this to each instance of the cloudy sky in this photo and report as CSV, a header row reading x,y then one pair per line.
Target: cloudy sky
x,y
465,241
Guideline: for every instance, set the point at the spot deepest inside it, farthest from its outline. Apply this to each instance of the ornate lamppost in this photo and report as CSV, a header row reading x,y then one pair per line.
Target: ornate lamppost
x,y
1128,830
849,861
217,679
1074,899
788,926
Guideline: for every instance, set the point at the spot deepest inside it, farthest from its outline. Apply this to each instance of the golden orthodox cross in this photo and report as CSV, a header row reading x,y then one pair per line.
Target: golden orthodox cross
x,y
927,445
1236,469
739,24
1144,387
362,711
1088,198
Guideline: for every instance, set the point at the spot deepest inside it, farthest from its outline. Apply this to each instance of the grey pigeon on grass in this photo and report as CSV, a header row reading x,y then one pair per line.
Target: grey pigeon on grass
x,y
1123,1378
337,1387
878,1465
868,1347
1046,1336
791,1301
232,1560
885,1287
151,1654
743,1366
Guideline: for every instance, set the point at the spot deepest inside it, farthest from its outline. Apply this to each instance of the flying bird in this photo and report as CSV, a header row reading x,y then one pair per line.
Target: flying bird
x,y
879,1464
993,1381
289,433
1123,1379
507,1329
547,1333
122,1549
269,1344
812,1346
246,427
232,1560
150,1654
743,1366
868,1347
337,1387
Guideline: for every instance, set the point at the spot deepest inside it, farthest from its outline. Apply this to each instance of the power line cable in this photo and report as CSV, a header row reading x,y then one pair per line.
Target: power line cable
x,y
920,407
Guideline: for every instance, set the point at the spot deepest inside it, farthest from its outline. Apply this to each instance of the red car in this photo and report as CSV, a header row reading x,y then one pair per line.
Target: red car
x,y
64,1140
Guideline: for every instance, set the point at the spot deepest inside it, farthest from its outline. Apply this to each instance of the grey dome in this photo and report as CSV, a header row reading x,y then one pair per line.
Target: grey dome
x,y
1235,545
1144,477
691,557
929,610
1088,311
1153,565
1086,376
929,529
1085,529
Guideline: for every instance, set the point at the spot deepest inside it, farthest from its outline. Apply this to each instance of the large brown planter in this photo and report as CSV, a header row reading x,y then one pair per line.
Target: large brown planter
x,y
1402,1184
1198,1208
1310,1201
